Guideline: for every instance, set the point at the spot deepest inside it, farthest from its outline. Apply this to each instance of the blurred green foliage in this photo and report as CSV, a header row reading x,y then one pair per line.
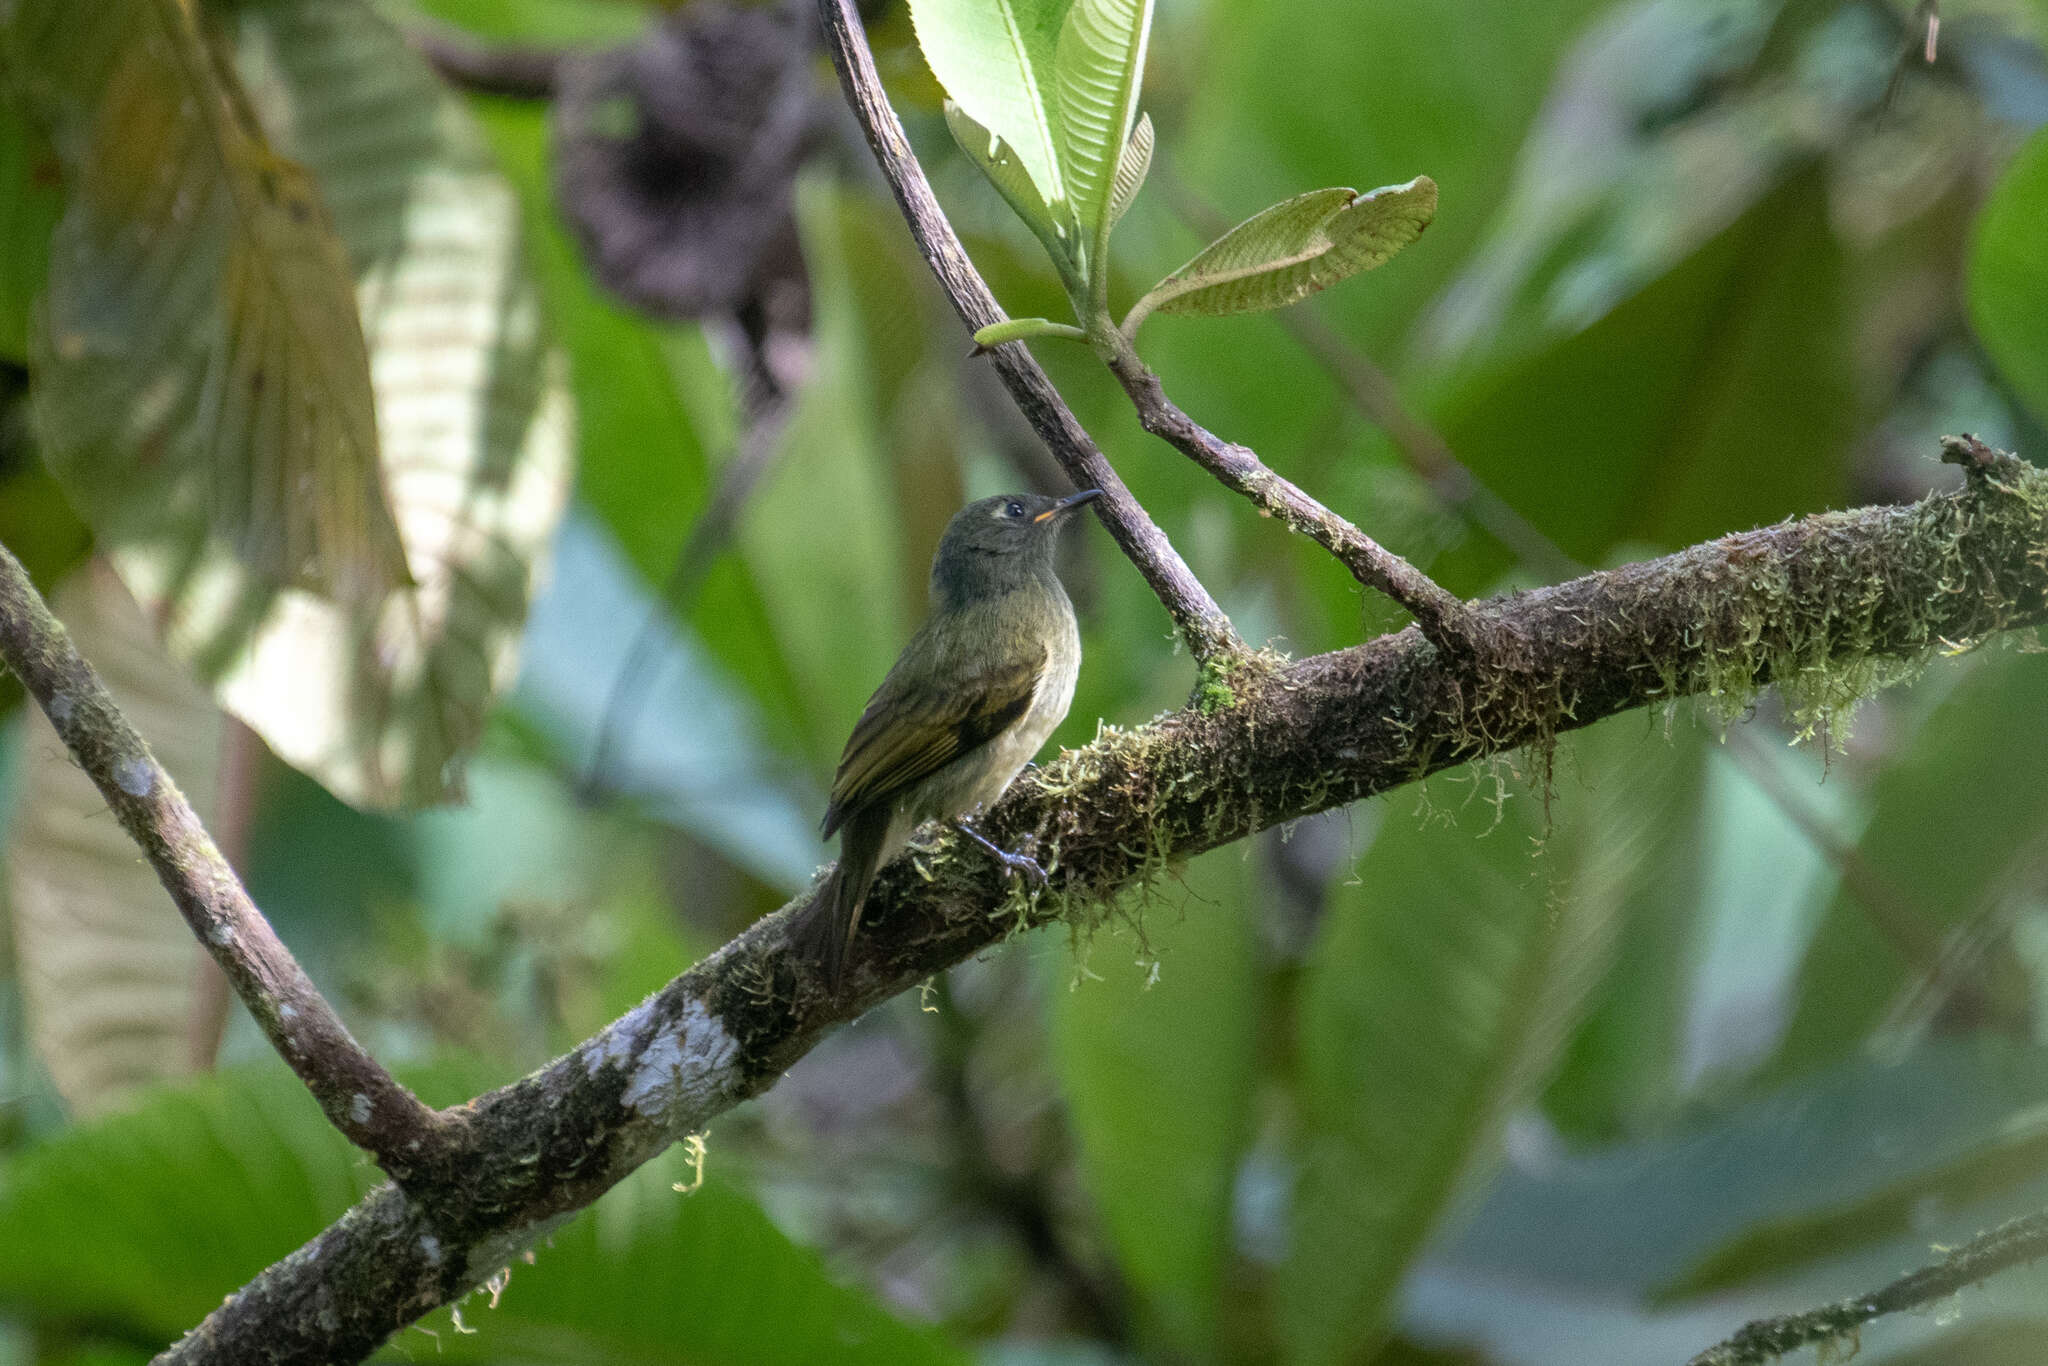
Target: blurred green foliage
x,y
1578,1057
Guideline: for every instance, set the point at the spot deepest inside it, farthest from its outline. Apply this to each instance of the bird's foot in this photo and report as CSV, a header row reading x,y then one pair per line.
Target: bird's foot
x,y
1023,865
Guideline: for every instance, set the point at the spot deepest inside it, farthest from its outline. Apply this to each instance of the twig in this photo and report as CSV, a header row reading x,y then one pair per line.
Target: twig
x,y
2024,1239
509,69
1425,451
241,762
1443,618
1890,582
359,1097
1202,624
1373,393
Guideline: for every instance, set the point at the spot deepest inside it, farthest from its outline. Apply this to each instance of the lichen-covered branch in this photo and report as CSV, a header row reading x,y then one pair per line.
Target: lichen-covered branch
x,y
1202,624
1826,608
2011,1244
360,1097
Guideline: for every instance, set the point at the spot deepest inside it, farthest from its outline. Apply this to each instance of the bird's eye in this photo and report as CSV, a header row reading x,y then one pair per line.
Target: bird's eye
x,y
1013,509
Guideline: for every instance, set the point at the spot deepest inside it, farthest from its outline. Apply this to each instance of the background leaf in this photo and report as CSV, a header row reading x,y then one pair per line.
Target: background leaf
x,y
1956,875
30,205
1160,1146
200,363
109,971
2009,275
257,1165
382,702
1431,1005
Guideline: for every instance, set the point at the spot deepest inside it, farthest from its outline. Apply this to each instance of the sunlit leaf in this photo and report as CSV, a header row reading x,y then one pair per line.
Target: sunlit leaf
x,y
995,59
380,701
200,363
1099,65
108,968
2008,278
1131,169
1004,171
1160,1145
1282,255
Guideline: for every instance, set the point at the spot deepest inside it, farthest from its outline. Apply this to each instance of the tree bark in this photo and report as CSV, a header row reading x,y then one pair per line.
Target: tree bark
x,y
1826,607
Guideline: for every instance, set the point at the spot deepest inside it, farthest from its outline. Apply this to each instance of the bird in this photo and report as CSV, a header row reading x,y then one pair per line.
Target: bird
x,y
978,689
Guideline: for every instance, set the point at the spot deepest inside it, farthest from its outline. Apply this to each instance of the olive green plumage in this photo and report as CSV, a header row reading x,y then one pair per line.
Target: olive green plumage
x,y
969,701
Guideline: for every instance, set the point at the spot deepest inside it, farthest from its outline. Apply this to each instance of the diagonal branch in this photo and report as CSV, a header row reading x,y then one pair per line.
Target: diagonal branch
x,y
1442,617
359,1096
1202,624
1809,605
2012,1243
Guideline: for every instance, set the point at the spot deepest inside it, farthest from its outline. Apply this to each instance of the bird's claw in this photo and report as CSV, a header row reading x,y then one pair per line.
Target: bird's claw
x,y
1022,865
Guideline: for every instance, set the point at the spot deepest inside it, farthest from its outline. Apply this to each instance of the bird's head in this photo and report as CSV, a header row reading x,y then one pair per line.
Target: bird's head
x,y
994,537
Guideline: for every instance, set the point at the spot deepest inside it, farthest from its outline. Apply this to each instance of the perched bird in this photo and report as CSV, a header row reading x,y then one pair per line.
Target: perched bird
x,y
971,698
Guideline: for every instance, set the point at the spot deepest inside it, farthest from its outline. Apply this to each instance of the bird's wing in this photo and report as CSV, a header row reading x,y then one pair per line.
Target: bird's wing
x,y
911,730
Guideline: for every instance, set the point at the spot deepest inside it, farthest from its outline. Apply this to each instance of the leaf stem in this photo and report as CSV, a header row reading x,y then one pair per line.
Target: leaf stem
x,y
1021,329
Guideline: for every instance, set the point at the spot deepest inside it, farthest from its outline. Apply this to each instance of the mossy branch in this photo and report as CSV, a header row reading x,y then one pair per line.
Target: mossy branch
x,y
2011,1244
1825,607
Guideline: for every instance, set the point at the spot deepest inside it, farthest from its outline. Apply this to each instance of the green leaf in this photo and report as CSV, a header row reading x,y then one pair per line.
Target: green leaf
x,y
1160,1142
652,409
381,700
1452,965
1099,66
995,58
30,206
1131,170
2008,281
1872,971
1660,407
1621,1070
109,972
1283,254
200,360
101,1224
1898,1210
999,163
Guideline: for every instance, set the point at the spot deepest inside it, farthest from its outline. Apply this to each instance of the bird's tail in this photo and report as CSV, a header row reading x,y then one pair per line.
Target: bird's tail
x,y
827,934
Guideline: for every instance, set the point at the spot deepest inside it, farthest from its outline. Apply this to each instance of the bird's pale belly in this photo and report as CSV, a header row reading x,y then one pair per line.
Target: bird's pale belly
x,y
975,780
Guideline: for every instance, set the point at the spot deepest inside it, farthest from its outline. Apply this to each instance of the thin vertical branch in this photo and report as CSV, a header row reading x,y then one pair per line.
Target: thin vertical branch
x,y
1202,624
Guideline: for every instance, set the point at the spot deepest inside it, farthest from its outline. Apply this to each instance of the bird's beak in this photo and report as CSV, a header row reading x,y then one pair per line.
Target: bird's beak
x,y
1068,504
